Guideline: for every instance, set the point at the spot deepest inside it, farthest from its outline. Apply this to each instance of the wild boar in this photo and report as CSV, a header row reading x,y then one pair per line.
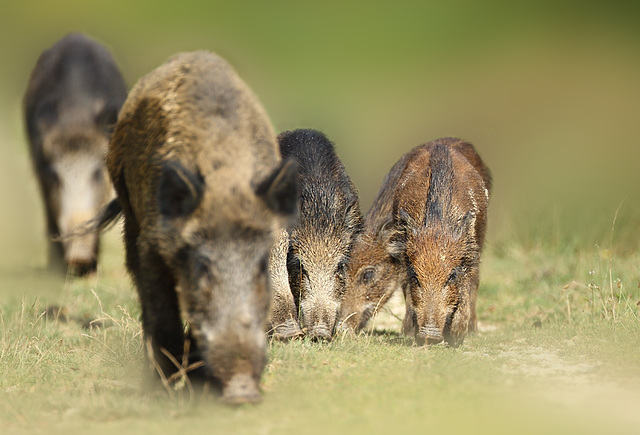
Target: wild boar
x,y
204,193
320,244
440,210
375,270
72,101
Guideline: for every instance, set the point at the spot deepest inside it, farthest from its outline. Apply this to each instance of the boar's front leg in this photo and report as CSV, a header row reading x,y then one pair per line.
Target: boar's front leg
x,y
161,321
283,324
473,296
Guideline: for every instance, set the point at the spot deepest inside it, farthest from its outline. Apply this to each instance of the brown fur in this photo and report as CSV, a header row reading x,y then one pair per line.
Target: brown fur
x,y
195,164
374,272
440,211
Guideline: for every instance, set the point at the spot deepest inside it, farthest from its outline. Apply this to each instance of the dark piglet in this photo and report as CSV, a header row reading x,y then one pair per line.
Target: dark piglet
x,y
204,192
72,101
320,244
376,271
440,210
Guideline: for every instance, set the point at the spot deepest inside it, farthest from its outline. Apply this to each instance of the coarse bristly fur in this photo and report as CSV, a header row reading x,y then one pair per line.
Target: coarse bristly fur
x,y
320,244
71,103
204,193
440,209
377,268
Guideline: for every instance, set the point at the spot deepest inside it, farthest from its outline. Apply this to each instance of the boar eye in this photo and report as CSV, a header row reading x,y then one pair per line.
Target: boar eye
x,y
367,276
342,270
97,175
455,273
50,176
413,278
263,266
293,262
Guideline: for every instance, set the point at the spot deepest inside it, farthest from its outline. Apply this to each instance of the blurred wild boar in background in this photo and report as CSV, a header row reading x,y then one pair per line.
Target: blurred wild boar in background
x,y
320,244
204,192
71,104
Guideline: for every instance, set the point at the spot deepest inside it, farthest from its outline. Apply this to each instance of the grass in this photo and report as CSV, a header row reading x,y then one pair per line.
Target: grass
x,y
547,94
559,333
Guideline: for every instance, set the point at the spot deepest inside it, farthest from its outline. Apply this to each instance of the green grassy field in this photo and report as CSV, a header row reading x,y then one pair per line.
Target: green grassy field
x,y
549,358
548,94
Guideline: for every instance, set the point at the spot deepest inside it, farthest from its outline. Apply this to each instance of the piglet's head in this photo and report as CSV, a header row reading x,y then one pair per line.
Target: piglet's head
x,y
442,264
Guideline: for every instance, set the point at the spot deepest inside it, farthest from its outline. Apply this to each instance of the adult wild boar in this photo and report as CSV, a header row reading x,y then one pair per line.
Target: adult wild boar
x,y
440,210
71,103
375,270
204,192
320,244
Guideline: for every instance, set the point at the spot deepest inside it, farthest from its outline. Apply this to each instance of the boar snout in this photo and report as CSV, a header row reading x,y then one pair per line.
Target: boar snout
x,y
429,334
287,330
82,267
319,332
241,388
80,250
319,316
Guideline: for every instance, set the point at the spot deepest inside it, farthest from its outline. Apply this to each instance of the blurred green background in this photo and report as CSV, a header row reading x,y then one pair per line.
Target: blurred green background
x,y
548,91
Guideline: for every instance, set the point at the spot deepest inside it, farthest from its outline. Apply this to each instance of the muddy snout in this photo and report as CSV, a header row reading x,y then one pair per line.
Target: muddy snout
x,y
429,335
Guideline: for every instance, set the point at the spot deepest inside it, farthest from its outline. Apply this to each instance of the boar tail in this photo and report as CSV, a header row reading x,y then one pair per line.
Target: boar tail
x,y
104,220
109,215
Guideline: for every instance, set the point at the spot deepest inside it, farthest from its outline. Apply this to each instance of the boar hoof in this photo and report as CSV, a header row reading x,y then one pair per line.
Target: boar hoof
x,y
429,335
290,330
241,389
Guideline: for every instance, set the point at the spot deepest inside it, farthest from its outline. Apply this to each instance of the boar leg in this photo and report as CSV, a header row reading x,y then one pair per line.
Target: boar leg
x,y
410,322
283,324
473,296
161,321
457,324
56,252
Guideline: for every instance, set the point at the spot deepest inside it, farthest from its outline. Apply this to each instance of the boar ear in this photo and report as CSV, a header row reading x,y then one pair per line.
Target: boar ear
x,y
281,189
394,233
106,118
466,226
353,217
46,114
404,221
386,230
179,190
